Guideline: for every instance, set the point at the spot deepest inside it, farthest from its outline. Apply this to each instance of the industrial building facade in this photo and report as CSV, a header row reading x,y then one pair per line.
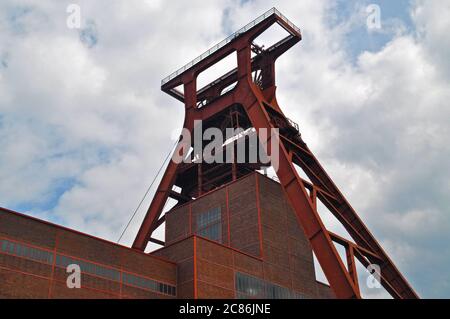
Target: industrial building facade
x,y
240,240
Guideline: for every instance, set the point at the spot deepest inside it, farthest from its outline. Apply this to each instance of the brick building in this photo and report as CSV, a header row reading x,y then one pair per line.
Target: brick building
x,y
240,240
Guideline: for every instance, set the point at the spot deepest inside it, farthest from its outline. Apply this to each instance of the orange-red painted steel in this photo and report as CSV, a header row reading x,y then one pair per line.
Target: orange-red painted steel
x,y
261,106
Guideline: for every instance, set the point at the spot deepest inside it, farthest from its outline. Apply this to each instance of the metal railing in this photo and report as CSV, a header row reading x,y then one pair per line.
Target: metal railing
x,y
228,40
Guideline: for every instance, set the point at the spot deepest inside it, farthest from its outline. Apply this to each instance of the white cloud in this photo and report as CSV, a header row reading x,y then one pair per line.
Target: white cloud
x,y
96,115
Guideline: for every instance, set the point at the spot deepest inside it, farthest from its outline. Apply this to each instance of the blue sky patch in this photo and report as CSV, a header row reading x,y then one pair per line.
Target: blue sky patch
x,y
89,34
394,17
58,188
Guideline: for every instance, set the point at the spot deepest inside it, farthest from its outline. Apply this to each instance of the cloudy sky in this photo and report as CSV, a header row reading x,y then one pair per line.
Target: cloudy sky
x,y
84,126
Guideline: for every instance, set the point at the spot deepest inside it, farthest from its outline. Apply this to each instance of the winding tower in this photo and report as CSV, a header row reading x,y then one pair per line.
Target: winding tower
x,y
245,98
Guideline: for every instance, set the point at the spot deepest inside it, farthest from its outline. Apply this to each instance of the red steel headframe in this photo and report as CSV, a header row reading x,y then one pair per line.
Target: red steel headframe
x,y
262,108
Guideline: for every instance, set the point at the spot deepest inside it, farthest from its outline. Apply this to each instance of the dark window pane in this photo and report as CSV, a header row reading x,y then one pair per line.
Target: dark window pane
x,y
209,224
252,287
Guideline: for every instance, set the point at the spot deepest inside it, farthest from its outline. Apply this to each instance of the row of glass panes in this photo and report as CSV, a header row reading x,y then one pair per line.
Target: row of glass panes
x,y
213,232
149,284
25,251
113,274
209,217
252,287
87,267
17,249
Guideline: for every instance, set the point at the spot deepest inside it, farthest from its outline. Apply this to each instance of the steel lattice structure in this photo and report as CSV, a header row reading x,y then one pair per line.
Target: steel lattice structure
x,y
252,103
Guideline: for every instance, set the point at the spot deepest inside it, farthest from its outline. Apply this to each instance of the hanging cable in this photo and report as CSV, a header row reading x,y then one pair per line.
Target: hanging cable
x,y
148,190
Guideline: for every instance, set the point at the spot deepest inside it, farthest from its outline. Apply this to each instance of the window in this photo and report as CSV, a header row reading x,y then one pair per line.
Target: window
x,y
209,224
89,268
148,284
20,250
249,287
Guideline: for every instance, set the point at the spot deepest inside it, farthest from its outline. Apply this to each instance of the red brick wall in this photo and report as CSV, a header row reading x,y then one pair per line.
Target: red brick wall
x,y
206,269
244,219
238,205
178,224
288,258
181,252
23,277
262,224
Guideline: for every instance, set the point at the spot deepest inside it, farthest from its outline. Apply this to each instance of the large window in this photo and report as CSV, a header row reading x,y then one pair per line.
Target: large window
x,y
209,224
249,287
